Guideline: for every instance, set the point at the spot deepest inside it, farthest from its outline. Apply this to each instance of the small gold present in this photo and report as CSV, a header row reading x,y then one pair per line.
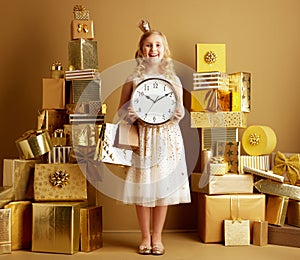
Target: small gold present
x,y
21,224
82,29
230,151
293,213
60,182
81,13
91,228
5,235
56,70
54,93
237,232
277,210
210,57
260,233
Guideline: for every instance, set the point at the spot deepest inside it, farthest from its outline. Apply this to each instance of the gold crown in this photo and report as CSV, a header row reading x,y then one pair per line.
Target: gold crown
x,y
144,25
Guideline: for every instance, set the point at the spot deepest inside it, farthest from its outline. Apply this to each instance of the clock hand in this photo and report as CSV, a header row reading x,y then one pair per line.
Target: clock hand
x,y
148,97
165,95
151,106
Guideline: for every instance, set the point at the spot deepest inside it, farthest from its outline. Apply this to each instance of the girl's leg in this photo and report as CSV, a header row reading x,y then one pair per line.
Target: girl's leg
x,y
159,217
144,216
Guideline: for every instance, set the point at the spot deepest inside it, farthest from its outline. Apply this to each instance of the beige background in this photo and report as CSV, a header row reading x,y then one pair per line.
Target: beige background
x,y
262,37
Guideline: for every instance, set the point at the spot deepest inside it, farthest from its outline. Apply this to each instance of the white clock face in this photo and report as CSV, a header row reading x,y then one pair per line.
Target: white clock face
x,y
154,101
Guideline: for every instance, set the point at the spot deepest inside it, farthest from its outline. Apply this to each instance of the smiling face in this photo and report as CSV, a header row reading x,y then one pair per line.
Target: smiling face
x,y
153,48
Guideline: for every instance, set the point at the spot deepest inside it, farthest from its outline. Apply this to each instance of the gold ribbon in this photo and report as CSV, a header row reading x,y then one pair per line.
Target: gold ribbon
x,y
234,218
59,178
217,159
79,8
210,57
254,139
289,165
82,28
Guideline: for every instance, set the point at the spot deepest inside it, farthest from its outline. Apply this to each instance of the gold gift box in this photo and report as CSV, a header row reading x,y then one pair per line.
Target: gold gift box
x,y
81,13
276,210
240,85
214,209
5,234
218,119
260,233
54,93
82,29
225,184
210,57
21,224
83,54
19,175
210,100
209,80
218,168
6,193
56,227
230,151
260,162
52,119
91,228
236,233
86,90
293,213
33,144
60,182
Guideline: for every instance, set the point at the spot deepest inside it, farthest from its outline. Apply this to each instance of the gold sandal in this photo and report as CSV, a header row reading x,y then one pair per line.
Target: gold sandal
x,y
144,250
158,249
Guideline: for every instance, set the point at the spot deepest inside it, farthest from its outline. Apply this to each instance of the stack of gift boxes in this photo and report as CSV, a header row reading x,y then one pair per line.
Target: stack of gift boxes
x,y
48,201
230,209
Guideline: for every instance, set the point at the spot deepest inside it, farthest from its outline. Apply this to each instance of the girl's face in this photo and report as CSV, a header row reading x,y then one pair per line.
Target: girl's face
x,y
153,48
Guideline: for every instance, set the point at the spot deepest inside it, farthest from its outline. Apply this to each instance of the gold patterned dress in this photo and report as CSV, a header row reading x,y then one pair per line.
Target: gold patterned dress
x,y
158,175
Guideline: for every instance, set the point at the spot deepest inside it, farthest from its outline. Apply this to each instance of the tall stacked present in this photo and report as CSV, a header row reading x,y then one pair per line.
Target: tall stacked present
x,y
228,209
48,189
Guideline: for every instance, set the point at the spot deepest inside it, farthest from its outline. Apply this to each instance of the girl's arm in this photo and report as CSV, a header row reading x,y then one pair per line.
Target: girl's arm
x,y
125,98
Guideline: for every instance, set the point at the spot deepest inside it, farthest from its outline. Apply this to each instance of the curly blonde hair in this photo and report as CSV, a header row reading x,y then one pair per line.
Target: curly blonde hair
x,y
166,64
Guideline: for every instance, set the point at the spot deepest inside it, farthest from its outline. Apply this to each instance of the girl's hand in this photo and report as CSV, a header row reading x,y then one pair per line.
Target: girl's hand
x,y
131,115
178,115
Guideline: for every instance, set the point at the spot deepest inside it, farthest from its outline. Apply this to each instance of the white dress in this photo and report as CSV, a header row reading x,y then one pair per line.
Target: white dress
x,y
158,175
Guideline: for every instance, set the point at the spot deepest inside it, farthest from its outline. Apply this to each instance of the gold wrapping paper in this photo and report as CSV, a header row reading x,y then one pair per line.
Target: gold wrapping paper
x,y
205,159
54,93
210,57
5,231
266,174
59,182
209,136
240,85
33,144
276,210
230,151
218,119
6,193
210,80
83,134
284,236
86,90
261,162
3,203
21,224
56,227
78,108
52,119
289,166
226,184
293,213
278,189
236,233
83,54
59,155
210,100
259,140
213,209
260,233
19,174
218,168
82,29
81,13
91,228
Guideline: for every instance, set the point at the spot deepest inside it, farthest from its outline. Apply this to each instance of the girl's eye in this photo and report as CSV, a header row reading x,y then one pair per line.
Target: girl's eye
x,y
157,45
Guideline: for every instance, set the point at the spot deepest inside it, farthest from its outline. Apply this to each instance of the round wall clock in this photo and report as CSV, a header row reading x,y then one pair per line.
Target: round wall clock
x,y
154,100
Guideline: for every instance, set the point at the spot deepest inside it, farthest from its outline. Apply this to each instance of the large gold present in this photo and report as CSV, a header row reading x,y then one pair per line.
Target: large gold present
x,y
214,209
225,184
91,228
21,224
293,213
33,144
60,182
19,175
260,233
276,209
240,85
56,227
218,119
5,234
210,100
83,54
54,93
52,119
210,57
82,29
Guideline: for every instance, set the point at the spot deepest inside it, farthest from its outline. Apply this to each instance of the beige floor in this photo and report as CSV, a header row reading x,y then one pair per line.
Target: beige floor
x,y
179,246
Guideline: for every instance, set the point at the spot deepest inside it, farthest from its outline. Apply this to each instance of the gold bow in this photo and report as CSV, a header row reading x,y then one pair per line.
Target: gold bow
x,y
234,219
79,8
59,178
82,28
210,57
289,165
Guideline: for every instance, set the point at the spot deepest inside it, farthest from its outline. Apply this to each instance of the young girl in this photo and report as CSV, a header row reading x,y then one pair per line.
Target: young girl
x,y
164,181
